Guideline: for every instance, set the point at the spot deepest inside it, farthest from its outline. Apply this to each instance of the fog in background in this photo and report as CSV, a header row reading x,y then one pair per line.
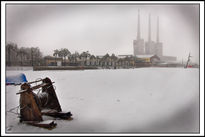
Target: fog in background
x,y
102,29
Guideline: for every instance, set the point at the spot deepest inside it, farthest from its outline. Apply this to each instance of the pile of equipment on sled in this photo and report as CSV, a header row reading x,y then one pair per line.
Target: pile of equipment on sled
x,y
34,105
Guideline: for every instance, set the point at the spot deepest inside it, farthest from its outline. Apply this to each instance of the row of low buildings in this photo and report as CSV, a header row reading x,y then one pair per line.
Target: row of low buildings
x,y
121,61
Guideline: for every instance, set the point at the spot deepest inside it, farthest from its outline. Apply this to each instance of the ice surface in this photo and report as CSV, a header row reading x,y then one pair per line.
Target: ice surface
x,y
142,100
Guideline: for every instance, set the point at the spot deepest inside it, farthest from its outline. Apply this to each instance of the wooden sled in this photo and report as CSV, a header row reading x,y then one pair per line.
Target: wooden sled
x,y
56,114
49,124
33,106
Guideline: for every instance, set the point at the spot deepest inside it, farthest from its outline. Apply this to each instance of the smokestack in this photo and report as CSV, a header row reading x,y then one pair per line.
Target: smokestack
x,y
138,27
158,29
149,33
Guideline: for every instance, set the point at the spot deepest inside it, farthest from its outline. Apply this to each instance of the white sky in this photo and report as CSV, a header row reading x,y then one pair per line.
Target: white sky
x,y
102,29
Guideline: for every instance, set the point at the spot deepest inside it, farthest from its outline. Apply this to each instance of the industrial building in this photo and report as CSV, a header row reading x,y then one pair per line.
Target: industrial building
x,y
138,44
150,47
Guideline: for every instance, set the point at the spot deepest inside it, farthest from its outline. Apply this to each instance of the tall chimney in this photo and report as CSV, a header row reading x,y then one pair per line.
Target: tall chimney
x,y
138,27
158,29
149,33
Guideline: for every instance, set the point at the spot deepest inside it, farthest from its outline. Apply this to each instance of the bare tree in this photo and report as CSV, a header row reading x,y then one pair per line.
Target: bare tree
x,y
11,51
21,53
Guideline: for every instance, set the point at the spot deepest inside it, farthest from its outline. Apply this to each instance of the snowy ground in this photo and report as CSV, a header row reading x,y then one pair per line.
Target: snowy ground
x,y
143,100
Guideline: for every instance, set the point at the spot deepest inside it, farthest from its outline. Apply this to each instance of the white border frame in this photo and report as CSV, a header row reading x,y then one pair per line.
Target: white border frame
x,y
3,5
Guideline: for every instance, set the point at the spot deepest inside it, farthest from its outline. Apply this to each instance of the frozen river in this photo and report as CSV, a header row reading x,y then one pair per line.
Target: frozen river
x,y
144,100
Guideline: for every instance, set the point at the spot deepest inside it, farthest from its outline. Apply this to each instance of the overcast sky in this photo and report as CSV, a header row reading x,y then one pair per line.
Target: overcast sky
x,y
102,29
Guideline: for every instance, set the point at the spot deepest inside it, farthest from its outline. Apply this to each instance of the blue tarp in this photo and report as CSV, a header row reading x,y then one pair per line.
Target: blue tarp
x,y
16,79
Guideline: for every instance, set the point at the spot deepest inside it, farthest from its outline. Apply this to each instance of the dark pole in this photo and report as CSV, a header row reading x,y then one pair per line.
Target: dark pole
x,y
31,56
21,59
9,56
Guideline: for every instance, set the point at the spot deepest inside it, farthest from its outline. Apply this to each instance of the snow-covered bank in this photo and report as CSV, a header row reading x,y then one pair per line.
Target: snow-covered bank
x,y
123,100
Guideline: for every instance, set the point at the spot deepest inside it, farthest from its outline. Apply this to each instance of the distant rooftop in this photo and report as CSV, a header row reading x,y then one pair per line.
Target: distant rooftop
x,y
123,56
145,56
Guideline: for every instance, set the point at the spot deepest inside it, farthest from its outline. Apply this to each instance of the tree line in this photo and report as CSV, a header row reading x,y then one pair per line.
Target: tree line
x,y
32,56
23,56
64,53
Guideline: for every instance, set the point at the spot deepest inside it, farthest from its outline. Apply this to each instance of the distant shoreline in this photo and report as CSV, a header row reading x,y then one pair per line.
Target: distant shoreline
x,y
37,68
40,68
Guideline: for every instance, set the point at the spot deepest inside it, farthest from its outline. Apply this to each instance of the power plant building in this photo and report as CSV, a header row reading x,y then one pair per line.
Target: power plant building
x,y
150,47
158,45
138,44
